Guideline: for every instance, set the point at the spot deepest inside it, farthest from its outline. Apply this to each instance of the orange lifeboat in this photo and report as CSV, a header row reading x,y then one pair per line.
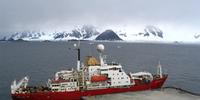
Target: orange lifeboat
x,y
98,78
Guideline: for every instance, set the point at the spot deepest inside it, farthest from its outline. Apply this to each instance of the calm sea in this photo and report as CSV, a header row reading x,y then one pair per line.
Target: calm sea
x,y
40,60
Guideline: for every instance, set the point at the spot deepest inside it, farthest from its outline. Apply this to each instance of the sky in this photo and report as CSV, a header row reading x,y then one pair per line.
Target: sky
x,y
174,16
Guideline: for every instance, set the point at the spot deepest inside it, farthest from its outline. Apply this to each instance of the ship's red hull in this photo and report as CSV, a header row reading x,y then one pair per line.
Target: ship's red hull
x,y
76,95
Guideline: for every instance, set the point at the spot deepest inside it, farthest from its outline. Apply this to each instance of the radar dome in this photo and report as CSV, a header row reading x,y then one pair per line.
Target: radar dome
x,y
75,45
100,48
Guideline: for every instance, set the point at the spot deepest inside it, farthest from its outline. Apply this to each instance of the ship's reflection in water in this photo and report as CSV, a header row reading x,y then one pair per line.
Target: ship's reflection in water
x,y
165,94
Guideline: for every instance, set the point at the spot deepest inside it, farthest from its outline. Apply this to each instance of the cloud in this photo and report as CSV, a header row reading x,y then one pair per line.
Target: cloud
x,y
20,15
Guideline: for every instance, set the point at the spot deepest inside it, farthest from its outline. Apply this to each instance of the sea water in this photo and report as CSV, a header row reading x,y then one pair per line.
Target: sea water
x,y
40,61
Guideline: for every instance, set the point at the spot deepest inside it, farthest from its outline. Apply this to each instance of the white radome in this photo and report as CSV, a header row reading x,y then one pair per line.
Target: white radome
x,y
100,47
75,45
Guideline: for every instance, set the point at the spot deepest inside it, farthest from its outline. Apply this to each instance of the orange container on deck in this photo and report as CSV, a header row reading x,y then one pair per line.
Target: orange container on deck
x,y
98,78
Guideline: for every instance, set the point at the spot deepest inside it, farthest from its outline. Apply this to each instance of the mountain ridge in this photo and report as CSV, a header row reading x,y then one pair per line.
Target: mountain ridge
x,y
87,32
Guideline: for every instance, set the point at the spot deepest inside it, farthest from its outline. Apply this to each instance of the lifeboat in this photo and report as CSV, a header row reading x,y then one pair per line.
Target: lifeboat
x,y
98,78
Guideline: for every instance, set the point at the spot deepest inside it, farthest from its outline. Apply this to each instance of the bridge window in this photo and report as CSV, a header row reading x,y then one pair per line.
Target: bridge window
x,y
104,69
55,85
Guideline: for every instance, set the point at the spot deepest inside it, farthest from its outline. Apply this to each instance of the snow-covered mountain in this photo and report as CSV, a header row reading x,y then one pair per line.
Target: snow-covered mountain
x,y
197,36
152,30
89,32
149,33
86,32
108,35
28,36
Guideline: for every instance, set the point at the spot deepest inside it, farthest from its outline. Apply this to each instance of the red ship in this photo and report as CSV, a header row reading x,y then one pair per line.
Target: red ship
x,y
94,77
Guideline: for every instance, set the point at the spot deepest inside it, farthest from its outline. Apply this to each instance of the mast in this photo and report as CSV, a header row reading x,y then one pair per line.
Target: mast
x,y
159,70
78,60
100,49
78,55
